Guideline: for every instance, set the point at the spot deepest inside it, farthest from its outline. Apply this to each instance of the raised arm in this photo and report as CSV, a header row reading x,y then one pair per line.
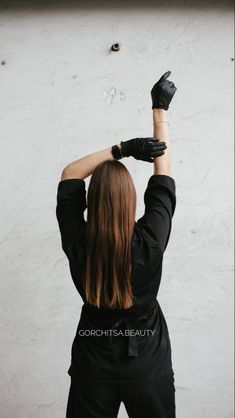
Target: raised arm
x,y
162,164
146,149
162,94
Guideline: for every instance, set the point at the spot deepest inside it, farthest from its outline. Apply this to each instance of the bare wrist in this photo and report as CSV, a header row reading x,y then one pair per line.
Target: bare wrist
x,y
159,114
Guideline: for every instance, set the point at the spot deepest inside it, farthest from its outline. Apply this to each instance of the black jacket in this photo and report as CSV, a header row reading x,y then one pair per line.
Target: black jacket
x,y
150,238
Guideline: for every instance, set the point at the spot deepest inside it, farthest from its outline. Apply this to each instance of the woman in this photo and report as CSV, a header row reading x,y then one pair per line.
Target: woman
x,y
121,351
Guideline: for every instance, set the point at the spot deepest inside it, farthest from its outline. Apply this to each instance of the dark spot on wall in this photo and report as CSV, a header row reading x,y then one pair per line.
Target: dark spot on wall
x,y
115,47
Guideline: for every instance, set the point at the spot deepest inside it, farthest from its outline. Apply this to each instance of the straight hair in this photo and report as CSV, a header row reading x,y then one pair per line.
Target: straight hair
x,y
111,209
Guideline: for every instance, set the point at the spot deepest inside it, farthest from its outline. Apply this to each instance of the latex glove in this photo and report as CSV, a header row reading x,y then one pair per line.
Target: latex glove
x,y
163,92
143,148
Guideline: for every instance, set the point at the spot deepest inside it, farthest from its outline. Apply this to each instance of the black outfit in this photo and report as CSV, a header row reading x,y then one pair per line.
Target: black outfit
x,y
136,368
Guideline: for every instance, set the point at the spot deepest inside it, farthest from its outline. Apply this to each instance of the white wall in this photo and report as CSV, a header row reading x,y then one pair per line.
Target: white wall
x,y
63,95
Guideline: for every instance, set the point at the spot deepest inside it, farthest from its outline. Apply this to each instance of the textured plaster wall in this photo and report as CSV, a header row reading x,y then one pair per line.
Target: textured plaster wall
x,y
63,95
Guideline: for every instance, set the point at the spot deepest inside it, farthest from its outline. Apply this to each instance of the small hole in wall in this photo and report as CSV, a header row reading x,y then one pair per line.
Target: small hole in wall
x,y
3,62
115,47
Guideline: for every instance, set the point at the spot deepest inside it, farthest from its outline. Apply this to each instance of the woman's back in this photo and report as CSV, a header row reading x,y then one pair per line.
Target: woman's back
x,y
149,241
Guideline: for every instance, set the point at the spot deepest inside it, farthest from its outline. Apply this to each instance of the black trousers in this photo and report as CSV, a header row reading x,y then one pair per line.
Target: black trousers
x,y
152,398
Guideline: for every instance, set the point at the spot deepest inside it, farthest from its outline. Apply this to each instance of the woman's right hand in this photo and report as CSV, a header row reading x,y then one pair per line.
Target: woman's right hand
x,y
163,92
145,149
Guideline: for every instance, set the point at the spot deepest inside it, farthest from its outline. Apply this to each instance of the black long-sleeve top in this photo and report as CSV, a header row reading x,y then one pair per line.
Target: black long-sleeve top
x,y
92,356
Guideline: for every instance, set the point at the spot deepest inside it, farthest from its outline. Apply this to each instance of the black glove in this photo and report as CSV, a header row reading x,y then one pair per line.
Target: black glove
x,y
143,148
162,92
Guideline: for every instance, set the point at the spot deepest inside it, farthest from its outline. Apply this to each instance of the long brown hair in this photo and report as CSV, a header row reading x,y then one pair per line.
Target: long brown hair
x,y
111,208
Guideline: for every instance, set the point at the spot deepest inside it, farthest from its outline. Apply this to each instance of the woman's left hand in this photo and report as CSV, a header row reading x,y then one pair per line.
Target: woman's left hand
x,y
144,149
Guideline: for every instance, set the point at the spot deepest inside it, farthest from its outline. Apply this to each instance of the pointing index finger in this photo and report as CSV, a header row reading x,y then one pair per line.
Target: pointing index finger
x,y
165,76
